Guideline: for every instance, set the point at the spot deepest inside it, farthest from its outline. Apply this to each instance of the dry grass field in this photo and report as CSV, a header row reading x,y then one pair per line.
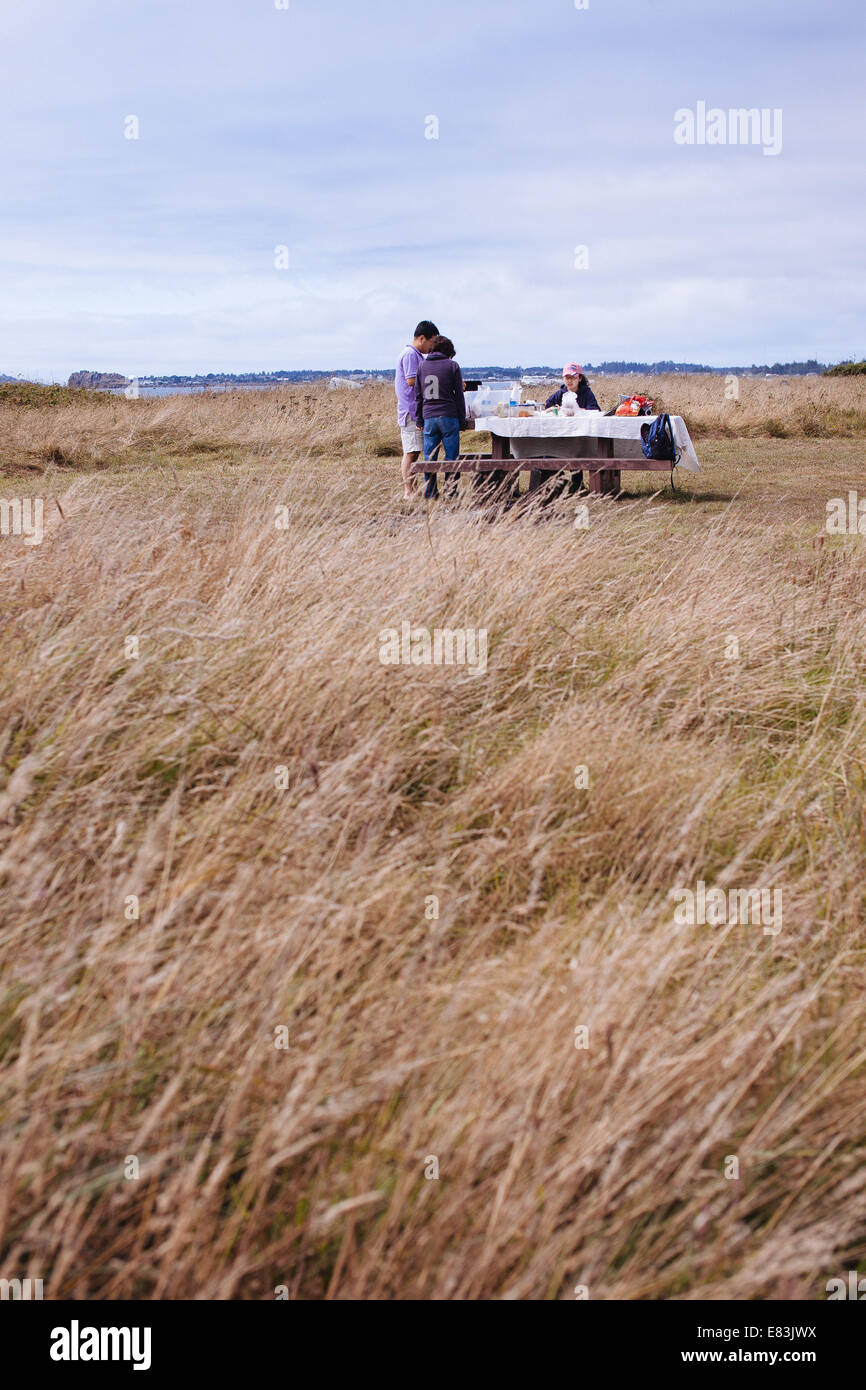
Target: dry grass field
x,y
286,931
91,430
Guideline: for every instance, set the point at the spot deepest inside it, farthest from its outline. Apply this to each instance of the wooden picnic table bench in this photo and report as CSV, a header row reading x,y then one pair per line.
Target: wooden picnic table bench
x,y
500,471
496,467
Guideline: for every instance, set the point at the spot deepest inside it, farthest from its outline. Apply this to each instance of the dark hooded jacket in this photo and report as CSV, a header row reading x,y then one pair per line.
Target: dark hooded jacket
x,y
585,399
439,390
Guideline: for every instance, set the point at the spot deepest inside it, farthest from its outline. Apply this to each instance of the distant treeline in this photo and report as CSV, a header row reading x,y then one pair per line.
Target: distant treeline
x,y
242,378
659,368
777,369
105,380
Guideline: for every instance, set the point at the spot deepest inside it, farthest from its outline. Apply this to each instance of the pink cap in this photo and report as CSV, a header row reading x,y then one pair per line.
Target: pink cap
x,y
572,369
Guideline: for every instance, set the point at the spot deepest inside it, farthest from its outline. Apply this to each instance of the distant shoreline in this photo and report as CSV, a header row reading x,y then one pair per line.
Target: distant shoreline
x,y
220,381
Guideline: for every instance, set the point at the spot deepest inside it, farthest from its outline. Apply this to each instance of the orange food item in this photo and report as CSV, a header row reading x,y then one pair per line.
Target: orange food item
x,y
634,405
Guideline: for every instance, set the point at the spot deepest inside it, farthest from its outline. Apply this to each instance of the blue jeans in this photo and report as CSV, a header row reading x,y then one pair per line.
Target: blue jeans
x,y
444,430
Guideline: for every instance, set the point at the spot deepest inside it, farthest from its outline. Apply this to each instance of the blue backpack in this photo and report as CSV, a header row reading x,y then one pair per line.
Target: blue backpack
x,y
657,440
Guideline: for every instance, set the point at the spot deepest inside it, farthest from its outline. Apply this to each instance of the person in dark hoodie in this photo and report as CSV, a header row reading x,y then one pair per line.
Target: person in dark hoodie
x,y
440,409
574,380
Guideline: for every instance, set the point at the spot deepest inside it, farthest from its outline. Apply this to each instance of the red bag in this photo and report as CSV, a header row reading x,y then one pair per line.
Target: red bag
x,y
635,405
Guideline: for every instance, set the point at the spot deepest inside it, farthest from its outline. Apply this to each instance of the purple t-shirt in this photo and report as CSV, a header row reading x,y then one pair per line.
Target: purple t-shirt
x,y
406,367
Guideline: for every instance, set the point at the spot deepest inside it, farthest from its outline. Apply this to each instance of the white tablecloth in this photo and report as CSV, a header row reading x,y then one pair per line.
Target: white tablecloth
x,y
555,434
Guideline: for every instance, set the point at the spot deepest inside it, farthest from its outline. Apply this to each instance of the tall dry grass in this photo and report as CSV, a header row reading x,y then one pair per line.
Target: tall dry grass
x,y
93,430
308,907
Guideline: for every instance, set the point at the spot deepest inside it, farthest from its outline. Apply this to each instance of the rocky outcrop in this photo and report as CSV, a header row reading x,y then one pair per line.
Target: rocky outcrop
x,y
97,381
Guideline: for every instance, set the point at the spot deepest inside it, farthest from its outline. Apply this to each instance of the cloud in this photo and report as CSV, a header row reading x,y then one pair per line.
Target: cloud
x,y
305,128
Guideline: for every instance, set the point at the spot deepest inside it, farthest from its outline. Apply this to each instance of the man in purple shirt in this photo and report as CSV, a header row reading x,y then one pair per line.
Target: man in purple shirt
x,y
404,385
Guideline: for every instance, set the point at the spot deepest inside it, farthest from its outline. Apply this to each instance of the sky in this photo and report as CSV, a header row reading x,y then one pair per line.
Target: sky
x,y
312,177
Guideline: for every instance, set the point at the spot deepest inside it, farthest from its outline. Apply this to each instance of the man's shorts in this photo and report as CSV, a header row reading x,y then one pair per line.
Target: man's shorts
x,y
413,439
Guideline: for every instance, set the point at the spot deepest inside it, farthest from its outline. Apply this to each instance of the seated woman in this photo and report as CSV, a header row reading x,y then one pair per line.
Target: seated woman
x,y
572,380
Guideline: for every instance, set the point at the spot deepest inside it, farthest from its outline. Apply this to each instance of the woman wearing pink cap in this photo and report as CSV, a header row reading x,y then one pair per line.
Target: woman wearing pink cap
x,y
572,380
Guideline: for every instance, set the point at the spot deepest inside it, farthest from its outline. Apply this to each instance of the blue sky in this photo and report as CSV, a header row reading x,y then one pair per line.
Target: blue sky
x,y
305,127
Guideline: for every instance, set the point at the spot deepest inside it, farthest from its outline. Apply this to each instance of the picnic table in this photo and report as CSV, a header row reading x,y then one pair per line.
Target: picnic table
x,y
609,444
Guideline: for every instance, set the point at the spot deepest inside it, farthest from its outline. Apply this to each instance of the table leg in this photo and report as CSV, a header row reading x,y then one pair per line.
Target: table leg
x,y
500,448
605,481
487,482
501,484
